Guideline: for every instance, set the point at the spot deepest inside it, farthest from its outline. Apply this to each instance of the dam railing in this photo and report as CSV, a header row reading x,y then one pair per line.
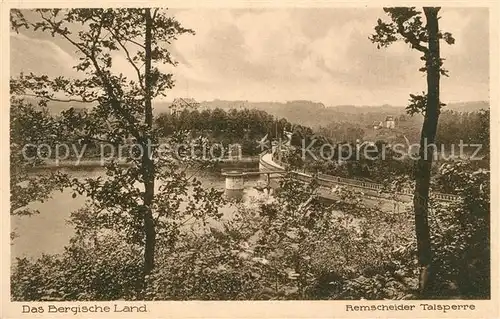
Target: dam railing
x,y
326,180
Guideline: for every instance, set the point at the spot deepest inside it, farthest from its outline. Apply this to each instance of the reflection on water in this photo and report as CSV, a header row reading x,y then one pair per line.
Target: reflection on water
x,y
48,232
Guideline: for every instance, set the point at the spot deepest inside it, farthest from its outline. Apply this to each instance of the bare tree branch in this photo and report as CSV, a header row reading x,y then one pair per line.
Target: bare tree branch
x,y
109,88
129,59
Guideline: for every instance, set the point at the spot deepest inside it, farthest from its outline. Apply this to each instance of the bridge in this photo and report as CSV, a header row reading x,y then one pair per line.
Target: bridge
x,y
272,170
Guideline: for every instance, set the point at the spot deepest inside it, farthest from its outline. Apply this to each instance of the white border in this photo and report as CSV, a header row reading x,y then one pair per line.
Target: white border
x,y
253,309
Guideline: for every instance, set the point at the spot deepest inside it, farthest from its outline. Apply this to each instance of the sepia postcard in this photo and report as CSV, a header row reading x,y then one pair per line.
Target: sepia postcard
x,y
250,159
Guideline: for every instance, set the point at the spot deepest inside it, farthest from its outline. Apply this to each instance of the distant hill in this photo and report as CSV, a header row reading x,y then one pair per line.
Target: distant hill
x,y
314,114
307,113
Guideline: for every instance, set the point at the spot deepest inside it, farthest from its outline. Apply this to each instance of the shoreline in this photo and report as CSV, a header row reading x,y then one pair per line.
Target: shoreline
x,y
97,163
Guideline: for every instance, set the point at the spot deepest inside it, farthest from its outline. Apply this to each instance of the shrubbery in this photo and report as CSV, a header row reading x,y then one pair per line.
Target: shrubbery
x,y
107,269
289,246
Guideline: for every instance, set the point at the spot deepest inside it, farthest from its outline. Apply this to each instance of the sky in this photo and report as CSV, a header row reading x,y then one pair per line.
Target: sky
x,y
318,54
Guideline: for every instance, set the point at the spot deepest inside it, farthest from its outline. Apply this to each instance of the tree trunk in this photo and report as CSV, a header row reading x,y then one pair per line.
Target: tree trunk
x,y
424,163
147,161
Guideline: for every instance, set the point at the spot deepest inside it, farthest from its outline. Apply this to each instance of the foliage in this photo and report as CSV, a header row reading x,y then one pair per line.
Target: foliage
x,y
290,246
30,127
406,24
376,162
103,269
236,126
342,132
127,197
287,246
461,233
470,128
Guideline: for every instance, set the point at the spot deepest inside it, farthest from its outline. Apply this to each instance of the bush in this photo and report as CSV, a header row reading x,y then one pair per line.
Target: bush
x,y
107,269
461,234
289,246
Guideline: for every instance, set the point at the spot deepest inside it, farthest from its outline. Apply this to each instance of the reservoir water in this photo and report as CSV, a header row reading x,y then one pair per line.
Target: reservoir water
x,y
48,232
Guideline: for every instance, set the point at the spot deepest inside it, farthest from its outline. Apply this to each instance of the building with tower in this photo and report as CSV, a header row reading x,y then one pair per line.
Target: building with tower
x,y
390,122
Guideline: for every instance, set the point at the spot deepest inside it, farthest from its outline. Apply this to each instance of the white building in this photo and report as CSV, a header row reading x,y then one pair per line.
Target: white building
x,y
390,122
